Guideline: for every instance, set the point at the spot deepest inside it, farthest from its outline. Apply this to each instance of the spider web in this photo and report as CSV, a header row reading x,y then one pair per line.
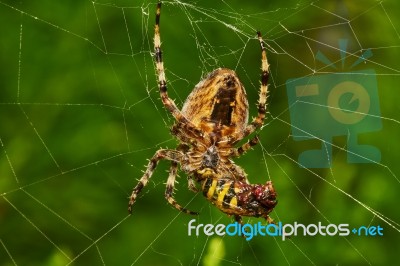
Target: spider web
x,y
80,113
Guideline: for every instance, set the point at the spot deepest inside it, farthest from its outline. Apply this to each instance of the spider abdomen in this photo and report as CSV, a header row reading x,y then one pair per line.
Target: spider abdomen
x,y
218,104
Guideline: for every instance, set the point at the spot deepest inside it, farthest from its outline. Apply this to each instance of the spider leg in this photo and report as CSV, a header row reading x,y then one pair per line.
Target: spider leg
x,y
236,152
234,172
184,148
170,190
192,184
162,83
171,155
259,119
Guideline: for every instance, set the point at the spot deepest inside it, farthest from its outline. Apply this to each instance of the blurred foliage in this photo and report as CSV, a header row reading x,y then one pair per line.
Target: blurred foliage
x,y
215,253
80,115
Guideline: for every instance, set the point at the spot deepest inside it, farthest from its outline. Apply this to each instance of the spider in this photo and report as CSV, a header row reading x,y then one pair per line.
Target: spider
x,y
213,119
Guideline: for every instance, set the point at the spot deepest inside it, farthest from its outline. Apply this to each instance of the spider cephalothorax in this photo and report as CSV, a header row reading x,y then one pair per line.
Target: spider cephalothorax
x,y
213,119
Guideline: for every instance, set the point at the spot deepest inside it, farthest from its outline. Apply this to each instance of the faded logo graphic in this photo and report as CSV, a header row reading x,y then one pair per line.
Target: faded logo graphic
x,y
338,104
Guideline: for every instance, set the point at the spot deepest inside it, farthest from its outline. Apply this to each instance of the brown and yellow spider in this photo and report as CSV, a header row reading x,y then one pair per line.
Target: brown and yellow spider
x,y
213,119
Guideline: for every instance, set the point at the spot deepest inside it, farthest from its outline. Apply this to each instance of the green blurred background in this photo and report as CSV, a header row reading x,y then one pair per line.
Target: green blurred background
x,y
80,115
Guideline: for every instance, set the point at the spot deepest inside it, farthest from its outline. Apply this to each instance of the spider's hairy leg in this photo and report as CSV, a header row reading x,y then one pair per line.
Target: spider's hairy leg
x,y
236,152
237,173
170,190
162,83
184,148
259,119
192,184
171,155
